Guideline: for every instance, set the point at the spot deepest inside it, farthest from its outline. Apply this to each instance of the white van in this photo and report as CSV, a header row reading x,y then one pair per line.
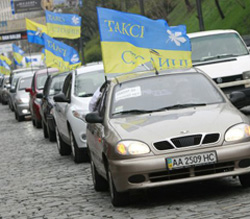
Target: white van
x,y
224,56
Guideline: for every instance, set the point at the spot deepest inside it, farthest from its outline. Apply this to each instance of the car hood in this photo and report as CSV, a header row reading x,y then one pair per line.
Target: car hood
x,y
216,118
225,67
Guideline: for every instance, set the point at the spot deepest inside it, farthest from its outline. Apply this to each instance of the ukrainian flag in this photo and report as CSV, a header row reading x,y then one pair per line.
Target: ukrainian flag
x,y
4,67
129,40
63,25
35,31
5,59
17,54
60,55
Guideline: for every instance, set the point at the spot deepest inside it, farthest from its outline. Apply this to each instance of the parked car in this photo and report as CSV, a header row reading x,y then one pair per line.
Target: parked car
x,y
21,70
3,89
70,106
21,97
224,56
53,86
37,85
154,130
13,84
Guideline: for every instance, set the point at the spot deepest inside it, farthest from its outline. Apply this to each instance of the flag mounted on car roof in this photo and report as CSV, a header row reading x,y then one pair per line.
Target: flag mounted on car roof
x,y
4,67
35,31
6,59
17,54
129,40
63,25
60,55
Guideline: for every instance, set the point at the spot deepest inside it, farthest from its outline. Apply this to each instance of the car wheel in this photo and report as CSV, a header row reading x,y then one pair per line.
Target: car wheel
x,y
245,180
100,184
45,131
18,117
118,199
51,134
11,107
62,147
79,154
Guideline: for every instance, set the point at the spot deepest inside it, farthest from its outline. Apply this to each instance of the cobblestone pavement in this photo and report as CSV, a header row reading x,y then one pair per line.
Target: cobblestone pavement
x,y
36,182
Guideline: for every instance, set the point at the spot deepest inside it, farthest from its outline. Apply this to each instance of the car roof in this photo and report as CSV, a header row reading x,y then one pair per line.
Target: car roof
x,y
144,74
210,32
19,70
46,70
89,68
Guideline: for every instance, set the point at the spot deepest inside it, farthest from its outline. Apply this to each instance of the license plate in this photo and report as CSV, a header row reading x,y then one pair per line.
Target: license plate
x,y
191,160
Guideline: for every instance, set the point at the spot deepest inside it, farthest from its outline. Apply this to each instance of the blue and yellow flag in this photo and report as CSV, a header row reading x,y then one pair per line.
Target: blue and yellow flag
x,y
17,54
4,67
60,55
5,59
30,60
129,40
63,25
35,31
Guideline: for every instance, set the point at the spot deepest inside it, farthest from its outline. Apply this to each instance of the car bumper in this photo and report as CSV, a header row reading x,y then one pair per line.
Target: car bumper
x,y
154,171
23,109
78,127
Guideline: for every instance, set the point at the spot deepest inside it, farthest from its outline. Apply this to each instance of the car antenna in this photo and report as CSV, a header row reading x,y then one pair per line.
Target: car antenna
x,y
154,52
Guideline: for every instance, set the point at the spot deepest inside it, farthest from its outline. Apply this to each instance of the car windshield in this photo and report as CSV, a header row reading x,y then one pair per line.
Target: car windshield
x,y
56,84
25,82
40,81
87,83
164,92
217,46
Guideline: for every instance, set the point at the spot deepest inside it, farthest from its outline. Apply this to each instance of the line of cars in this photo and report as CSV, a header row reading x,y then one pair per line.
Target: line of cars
x,y
152,128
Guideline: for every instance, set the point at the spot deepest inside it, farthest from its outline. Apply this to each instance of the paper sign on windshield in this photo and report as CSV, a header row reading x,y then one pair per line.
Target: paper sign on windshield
x,y
128,93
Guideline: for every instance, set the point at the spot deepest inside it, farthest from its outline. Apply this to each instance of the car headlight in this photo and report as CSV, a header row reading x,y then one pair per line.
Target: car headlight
x,y
246,75
79,114
132,148
237,132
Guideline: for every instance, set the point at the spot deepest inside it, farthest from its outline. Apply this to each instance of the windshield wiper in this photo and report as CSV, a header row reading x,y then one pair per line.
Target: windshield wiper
x,y
133,111
86,95
207,58
180,106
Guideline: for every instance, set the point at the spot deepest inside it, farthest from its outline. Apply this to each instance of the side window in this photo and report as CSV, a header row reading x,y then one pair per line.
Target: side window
x,y
33,83
67,86
47,86
68,91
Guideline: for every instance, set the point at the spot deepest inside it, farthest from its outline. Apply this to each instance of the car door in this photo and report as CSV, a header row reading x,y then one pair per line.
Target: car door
x,y
98,139
63,107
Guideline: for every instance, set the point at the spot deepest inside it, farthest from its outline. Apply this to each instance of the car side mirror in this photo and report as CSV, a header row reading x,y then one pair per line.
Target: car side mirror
x,y
237,98
93,118
28,89
39,95
61,98
7,86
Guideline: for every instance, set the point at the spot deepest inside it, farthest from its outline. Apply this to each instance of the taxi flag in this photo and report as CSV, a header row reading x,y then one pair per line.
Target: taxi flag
x,y
63,25
127,40
17,54
60,55
35,31
4,67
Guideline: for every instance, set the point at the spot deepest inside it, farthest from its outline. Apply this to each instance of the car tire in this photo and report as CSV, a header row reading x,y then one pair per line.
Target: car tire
x,y
100,184
62,147
118,199
79,154
18,117
51,134
245,180
45,131
11,107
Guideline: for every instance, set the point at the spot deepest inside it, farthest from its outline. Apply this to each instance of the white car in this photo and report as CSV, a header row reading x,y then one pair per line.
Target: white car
x,y
224,56
70,108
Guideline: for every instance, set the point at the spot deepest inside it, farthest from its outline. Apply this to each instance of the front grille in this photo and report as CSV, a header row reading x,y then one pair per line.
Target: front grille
x,y
211,138
187,141
191,172
163,145
228,79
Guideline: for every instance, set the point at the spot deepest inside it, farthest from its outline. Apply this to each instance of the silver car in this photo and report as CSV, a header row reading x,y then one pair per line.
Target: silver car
x,y
153,130
5,86
21,98
70,107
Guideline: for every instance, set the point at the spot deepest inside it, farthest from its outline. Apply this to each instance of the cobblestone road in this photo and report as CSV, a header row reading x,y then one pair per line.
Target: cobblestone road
x,y
36,182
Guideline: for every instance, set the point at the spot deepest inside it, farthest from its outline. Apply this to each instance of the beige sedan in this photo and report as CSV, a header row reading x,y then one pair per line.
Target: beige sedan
x,y
154,130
